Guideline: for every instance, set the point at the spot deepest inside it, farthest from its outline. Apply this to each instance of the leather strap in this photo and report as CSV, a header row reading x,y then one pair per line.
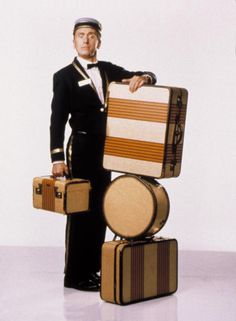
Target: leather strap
x,y
48,194
178,133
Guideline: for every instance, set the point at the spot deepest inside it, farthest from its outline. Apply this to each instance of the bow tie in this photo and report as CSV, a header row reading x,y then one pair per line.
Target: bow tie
x,y
89,66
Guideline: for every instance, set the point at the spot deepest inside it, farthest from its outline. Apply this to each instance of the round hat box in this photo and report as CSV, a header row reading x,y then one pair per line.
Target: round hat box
x,y
135,207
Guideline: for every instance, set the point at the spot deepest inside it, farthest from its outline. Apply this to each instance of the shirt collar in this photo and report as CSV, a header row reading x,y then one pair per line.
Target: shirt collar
x,y
85,62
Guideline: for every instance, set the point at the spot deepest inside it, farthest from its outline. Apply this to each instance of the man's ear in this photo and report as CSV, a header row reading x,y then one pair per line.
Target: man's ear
x,y
99,44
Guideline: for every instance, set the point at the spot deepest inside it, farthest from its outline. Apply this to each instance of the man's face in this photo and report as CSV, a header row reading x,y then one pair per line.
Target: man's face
x,y
86,42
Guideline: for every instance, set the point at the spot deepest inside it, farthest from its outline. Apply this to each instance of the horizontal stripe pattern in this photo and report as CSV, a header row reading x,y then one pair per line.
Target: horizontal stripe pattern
x,y
136,129
146,111
151,115
139,110
57,150
174,110
135,166
169,155
134,149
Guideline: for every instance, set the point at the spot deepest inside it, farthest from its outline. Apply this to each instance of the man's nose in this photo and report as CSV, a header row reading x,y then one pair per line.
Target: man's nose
x,y
85,40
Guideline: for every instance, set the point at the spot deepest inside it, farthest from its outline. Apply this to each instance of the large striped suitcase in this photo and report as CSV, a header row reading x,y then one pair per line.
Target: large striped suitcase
x,y
137,271
145,130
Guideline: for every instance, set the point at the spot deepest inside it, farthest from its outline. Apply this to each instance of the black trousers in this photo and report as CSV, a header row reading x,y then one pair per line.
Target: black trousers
x,y
85,232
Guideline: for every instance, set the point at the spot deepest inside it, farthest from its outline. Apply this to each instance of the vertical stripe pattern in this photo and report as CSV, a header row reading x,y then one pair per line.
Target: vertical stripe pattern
x,y
48,194
163,263
137,273
69,155
132,272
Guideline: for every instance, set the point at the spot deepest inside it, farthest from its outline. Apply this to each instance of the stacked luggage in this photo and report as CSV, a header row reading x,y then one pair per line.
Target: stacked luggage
x,y
145,132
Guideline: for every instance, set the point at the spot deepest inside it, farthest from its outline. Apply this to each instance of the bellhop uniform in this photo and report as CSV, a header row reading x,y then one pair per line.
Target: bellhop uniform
x,y
75,99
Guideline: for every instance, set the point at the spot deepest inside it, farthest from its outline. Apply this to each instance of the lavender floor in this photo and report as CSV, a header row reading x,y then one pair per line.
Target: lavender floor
x,y
31,289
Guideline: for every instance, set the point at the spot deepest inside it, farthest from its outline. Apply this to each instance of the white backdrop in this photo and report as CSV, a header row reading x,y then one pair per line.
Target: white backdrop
x,y
188,43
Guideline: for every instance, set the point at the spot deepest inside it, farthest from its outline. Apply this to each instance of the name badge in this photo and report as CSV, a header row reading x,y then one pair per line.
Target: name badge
x,y
84,82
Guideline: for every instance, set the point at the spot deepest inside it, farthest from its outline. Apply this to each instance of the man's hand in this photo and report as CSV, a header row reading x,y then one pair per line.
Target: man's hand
x,y
136,82
59,169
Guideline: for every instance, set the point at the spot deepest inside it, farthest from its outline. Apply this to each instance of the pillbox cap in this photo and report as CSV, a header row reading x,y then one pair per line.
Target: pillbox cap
x,y
90,22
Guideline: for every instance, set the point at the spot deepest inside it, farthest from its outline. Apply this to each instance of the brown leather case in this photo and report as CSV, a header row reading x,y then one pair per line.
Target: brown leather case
x,y
137,271
64,196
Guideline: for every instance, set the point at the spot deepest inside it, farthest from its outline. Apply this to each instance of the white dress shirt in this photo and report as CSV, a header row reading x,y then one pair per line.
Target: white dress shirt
x,y
94,75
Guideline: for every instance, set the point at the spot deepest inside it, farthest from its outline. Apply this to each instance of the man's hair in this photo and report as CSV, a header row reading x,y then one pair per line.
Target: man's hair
x,y
90,23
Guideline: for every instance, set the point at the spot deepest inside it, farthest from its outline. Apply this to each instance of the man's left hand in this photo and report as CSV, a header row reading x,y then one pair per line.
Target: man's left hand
x,y
135,82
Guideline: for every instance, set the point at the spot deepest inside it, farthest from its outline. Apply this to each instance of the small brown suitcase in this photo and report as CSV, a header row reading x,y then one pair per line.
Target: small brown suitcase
x,y
137,271
145,130
65,196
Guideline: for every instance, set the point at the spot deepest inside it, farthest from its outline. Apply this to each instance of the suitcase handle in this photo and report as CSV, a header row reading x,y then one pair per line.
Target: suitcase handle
x,y
150,239
115,236
59,178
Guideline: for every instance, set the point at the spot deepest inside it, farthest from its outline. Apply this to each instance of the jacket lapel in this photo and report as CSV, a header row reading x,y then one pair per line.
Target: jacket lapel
x,y
82,72
105,82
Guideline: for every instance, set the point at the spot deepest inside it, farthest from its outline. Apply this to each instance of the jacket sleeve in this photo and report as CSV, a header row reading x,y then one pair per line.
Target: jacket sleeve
x,y
59,117
117,73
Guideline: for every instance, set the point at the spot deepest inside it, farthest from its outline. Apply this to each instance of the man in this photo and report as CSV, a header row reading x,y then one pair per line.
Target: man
x,y
80,92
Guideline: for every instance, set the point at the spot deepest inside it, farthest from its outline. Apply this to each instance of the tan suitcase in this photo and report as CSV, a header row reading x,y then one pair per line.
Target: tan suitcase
x,y
145,130
137,271
65,196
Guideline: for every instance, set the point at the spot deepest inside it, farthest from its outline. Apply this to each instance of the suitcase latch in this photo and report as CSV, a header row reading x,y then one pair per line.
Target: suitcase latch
x,y
39,191
58,194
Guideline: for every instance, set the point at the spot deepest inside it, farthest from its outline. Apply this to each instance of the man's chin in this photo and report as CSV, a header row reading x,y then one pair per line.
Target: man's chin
x,y
87,55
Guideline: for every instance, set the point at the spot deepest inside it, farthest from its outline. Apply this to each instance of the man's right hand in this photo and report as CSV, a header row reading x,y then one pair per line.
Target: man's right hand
x,y
59,169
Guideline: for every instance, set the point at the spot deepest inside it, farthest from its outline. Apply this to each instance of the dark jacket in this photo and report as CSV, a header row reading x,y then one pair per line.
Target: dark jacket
x,y
81,103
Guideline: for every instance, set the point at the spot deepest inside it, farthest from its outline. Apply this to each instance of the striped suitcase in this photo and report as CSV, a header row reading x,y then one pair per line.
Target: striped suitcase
x,y
137,271
145,130
64,196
